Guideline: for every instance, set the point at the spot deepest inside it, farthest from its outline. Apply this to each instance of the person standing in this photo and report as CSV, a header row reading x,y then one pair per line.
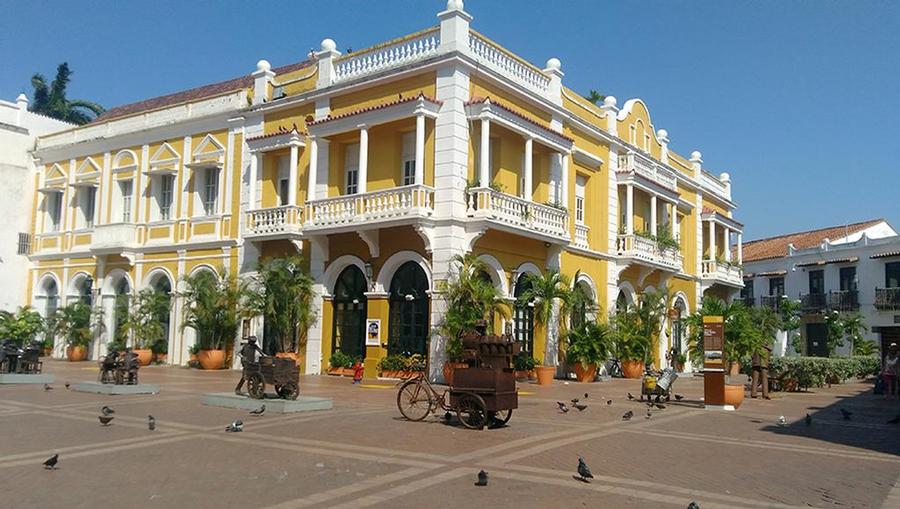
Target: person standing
x,y
760,372
890,368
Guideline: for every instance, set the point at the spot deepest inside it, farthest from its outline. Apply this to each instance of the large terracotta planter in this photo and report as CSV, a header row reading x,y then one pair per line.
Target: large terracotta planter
x,y
734,395
76,353
632,369
524,375
48,352
211,359
585,374
449,367
145,355
545,374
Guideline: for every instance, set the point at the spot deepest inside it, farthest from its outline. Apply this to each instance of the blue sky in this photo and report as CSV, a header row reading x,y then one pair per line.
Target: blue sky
x,y
799,101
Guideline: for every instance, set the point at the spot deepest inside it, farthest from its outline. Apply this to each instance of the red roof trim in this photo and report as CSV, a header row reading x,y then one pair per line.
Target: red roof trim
x,y
281,131
401,100
480,100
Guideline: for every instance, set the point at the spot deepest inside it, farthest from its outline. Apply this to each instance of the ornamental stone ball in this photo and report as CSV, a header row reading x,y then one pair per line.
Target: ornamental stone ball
x,y
724,177
454,5
263,66
553,64
696,155
662,134
609,100
328,45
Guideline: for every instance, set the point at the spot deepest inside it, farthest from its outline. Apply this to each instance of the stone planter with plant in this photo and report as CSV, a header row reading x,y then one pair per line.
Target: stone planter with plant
x,y
340,364
588,346
284,296
75,323
144,319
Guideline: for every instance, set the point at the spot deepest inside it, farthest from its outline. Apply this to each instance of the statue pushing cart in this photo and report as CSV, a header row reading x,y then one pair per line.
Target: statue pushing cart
x,y
482,394
119,368
16,360
281,373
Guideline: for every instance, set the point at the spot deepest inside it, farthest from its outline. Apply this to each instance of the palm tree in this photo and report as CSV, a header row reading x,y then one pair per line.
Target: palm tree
x,y
285,298
854,327
552,297
215,307
471,300
595,96
51,100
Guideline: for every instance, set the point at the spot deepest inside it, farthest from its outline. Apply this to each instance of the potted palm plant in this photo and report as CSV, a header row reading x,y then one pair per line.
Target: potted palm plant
x,y
588,346
284,296
214,308
551,297
634,329
144,319
74,324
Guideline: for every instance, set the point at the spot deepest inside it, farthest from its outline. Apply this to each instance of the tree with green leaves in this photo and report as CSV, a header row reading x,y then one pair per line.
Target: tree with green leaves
x,y
76,322
747,330
22,326
472,300
214,307
144,317
635,328
284,296
551,295
595,97
51,100
855,327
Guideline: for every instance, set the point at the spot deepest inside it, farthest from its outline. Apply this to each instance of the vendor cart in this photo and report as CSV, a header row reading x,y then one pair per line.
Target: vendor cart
x,y
282,373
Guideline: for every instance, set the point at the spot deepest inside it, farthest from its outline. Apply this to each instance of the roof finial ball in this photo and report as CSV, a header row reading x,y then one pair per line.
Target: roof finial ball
x,y
724,178
696,156
553,64
263,66
609,100
662,134
328,45
454,5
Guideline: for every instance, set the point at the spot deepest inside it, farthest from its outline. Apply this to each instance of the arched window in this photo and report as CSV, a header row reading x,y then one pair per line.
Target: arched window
x,y
122,303
85,290
408,320
678,326
349,319
523,317
582,304
51,302
162,284
621,302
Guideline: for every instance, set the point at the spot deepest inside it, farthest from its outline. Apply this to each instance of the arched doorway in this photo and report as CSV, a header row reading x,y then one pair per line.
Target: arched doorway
x,y
349,319
82,289
523,317
120,311
408,318
582,304
160,283
678,315
621,302
48,303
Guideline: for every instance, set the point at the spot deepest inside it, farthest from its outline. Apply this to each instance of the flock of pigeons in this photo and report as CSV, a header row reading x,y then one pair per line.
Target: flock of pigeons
x,y
578,405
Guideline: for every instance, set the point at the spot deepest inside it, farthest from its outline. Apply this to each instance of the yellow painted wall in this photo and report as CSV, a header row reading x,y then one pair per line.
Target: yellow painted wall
x,y
479,88
387,92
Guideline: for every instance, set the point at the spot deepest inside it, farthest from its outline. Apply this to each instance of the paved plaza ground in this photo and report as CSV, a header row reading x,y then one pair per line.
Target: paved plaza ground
x,y
362,454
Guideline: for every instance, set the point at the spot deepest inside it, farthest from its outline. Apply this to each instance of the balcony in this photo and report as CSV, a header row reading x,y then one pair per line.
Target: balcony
x,y
273,222
581,236
843,300
383,208
723,272
516,214
645,250
813,302
771,301
114,238
637,165
887,299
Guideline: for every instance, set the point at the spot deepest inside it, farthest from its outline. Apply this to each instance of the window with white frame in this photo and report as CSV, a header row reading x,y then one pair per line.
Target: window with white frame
x,y
579,198
53,204
351,169
408,158
87,197
126,191
210,191
165,189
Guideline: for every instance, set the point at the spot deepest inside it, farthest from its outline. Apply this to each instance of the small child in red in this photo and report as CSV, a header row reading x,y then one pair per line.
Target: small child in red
x,y
358,371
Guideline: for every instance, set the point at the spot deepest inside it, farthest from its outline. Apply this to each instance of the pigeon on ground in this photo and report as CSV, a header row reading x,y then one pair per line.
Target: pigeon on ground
x,y
562,406
235,427
608,402
105,419
660,406
583,471
630,397
585,396
693,505
48,387
895,420
67,385
808,420
151,422
679,397
107,411
50,464
574,401
482,479
580,407
846,413
628,415
649,414
259,411
781,421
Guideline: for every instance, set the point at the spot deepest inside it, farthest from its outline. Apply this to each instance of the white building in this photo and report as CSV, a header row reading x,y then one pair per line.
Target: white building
x,y
847,268
18,130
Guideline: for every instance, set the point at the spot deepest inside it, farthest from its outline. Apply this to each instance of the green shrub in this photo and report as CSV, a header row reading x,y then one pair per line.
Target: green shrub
x,y
415,362
392,363
524,362
818,371
340,360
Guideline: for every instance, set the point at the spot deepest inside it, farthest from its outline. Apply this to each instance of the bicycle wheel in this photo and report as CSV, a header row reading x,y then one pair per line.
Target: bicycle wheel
x,y
471,411
414,400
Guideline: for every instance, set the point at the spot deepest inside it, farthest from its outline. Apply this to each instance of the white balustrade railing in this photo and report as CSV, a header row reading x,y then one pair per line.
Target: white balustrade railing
x,y
273,220
386,57
647,250
714,185
647,169
515,211
712,269
506,64
114,236
394,203
581,236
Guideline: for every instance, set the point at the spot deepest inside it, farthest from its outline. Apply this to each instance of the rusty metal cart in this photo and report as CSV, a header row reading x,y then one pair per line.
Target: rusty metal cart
x,y
281,373
482,394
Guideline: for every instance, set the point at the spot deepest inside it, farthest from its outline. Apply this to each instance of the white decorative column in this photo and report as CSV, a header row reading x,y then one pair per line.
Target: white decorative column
x,y
484,177
261,79
653,215
528,170
313,168
712,241
740,248
673,220
325,63
292,174
420,148
629,209
318,254
564,184
696,163
363,175
255,170
726,239
663,136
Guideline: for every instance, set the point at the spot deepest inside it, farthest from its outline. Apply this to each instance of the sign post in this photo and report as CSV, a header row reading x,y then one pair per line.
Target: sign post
x,y
714,363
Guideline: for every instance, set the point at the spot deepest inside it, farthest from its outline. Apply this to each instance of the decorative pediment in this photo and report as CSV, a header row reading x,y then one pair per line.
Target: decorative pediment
x,y
208,151
55,174
164,160
125,160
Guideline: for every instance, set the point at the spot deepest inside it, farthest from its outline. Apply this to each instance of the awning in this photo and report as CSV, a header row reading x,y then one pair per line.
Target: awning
x,y
850,259
773,273
886,255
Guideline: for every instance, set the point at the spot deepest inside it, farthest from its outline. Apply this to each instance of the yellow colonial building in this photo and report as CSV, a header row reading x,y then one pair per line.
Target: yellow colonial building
x,y
380,166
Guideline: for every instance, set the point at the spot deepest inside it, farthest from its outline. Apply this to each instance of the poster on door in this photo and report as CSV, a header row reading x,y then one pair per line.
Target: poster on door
x,y
373,332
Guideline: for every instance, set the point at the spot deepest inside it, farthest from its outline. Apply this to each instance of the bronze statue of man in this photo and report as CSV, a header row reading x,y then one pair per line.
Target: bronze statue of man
x,y
760,372
248,355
